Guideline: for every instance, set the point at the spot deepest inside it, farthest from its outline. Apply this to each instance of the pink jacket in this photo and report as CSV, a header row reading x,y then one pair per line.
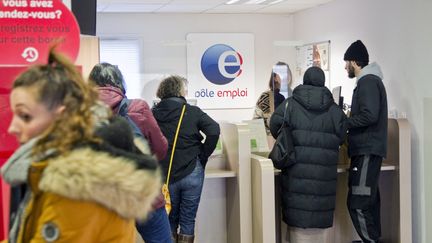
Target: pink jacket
x,y
141,114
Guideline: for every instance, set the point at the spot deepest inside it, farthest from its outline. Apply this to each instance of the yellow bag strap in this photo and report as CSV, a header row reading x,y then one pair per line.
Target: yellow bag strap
x,y
174,144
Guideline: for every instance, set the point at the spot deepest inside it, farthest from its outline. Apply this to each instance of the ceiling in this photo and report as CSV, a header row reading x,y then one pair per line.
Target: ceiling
x,y
207,6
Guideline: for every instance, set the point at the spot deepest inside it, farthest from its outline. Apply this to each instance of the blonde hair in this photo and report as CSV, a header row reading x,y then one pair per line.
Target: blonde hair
x,y
55,84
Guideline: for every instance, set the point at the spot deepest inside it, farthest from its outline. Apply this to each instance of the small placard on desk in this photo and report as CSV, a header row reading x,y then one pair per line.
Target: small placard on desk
x,y
258,134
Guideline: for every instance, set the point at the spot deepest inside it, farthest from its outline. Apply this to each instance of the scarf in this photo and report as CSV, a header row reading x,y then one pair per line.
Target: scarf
x,y
15,170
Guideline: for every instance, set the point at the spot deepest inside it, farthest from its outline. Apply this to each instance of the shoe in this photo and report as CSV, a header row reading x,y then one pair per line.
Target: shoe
x,y
185,238
174,237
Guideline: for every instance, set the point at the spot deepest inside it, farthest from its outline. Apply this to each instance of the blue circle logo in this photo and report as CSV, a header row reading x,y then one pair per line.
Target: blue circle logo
x,y
221,64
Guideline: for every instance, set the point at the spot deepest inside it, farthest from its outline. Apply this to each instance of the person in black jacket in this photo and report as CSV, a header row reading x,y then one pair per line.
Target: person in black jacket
x,y
190,157
367,141
309,186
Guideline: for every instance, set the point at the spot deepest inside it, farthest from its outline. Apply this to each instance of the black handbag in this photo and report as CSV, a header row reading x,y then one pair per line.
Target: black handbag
x,y
282,153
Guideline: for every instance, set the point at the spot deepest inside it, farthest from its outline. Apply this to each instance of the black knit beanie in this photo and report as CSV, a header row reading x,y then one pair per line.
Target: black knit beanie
x,y
357,52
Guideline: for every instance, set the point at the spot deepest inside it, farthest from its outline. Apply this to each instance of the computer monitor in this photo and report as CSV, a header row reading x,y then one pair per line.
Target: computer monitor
x,y
338,99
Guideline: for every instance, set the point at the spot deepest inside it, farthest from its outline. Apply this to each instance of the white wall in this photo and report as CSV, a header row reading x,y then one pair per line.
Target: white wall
x,y
158,59
398,36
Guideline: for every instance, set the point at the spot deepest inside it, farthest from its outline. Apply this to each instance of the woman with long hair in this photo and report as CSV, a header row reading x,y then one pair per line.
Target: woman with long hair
x,y
86,179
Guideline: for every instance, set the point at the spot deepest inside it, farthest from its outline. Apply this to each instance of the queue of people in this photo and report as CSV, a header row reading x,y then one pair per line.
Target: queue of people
x,y
318,127
83,174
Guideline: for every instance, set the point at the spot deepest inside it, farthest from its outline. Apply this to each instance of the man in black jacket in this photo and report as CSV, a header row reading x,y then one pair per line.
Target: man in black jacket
x,y
367,141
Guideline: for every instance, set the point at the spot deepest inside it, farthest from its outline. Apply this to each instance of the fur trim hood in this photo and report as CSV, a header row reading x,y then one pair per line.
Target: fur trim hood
x,y
112,181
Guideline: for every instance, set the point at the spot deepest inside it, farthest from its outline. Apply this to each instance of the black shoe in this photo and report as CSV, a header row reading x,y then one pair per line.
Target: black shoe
x,y
359,241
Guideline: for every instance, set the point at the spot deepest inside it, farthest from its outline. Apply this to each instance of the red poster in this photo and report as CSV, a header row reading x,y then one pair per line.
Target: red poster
x,y
29,27
8,143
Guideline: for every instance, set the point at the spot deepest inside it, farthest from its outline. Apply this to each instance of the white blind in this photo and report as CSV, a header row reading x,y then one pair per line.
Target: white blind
x,y
125,54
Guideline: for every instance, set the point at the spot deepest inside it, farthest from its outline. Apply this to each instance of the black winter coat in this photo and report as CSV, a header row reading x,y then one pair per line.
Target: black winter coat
x,y
189,146
367,124
309,186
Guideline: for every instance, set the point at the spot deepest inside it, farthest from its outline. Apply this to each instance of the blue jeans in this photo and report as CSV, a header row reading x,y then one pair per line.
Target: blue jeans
x,y
185,197
156,229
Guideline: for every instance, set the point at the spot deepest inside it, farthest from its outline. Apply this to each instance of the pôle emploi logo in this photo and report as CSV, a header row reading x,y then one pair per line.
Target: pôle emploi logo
x,y
221,64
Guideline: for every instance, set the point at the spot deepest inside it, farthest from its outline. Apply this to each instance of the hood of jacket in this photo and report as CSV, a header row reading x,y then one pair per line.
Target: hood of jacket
x,y
112,181
314,76
313,97
111,96
169,109
372,68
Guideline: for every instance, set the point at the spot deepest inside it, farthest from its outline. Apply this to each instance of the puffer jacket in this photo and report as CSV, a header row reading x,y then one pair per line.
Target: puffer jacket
x,y
94,193
309,186
367,124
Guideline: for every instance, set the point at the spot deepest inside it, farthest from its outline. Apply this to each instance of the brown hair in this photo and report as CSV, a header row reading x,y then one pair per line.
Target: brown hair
x,y
55,84
271,80
171,86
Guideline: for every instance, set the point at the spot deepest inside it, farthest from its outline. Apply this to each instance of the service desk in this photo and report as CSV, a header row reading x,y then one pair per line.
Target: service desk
x,y
395,189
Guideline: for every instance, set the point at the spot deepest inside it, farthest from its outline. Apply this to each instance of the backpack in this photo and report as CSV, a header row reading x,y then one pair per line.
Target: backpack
x,y
123,112
283,153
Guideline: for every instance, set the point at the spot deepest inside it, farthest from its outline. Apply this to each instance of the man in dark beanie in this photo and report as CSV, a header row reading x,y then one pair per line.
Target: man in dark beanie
x,y
309,186
367,141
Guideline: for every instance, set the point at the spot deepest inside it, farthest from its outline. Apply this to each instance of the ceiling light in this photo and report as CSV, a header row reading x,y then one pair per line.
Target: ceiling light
x,y
274,2
232,1
255,1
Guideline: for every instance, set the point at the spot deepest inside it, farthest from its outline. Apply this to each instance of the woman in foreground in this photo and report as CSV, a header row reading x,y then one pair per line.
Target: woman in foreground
x,y
86,179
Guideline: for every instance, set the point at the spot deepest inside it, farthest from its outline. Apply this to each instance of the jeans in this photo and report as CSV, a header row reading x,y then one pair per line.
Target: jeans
x,y
185,197
156,229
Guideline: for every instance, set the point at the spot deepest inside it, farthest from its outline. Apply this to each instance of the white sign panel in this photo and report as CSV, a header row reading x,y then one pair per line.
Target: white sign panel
x,y
221,70
315,54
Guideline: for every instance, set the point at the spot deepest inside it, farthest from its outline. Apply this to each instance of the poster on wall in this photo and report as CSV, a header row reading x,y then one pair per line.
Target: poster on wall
x,y
314,54
221,70
28,28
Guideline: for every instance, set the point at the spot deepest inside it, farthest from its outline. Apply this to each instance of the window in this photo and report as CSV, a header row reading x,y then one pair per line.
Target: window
x,y
125,54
